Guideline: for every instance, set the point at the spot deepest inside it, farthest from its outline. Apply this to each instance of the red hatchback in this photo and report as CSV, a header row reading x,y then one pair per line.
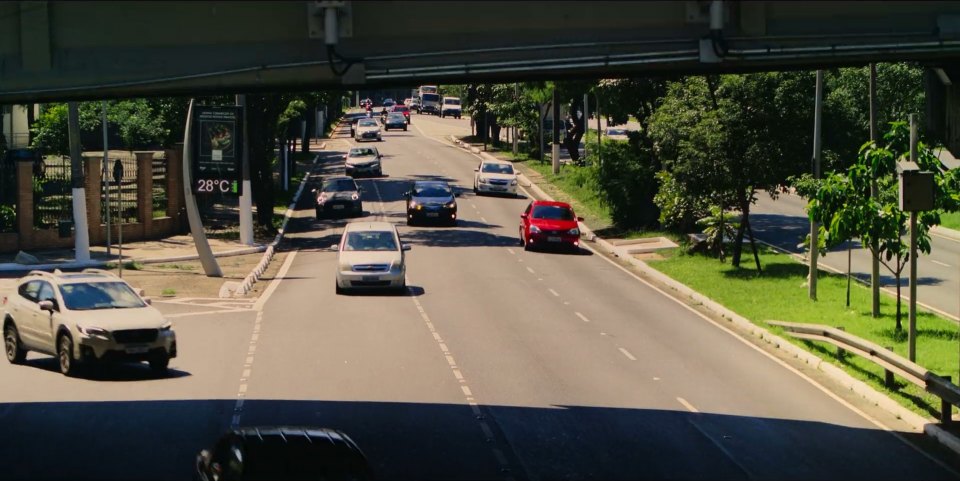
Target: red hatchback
x,y
549,224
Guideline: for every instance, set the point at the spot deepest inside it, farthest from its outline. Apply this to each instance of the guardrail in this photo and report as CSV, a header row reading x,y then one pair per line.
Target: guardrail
x,y
940,386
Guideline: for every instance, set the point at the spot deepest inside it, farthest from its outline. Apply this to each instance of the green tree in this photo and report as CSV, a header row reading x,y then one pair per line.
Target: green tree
x,y
842,203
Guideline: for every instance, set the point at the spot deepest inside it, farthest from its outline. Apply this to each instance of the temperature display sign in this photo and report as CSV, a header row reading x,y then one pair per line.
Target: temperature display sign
x,y
218,147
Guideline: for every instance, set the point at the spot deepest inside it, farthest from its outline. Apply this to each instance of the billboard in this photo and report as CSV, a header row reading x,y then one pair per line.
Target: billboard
x,y
217,150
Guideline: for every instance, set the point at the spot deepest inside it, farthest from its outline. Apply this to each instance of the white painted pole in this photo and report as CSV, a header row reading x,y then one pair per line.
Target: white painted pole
x,y
814,226
209,262
246,197
81,239
913,253
105,173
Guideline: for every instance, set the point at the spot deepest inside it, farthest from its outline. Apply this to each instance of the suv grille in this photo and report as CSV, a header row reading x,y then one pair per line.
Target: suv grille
x,y
499,181
371,267
129,336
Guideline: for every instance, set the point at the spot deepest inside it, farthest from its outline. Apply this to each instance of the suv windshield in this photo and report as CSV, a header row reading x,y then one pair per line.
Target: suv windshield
x,y
367,123
83,296
497,168
431,98
339,185
361,152
451,101
370,241
552,212
396,116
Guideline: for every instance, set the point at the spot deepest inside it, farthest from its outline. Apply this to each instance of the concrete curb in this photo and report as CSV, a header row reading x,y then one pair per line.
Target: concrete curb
x,y
150,260
261,267
919,423
945,232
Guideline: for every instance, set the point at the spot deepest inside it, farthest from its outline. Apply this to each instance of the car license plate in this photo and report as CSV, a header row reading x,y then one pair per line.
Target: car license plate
x,y
338,207
553,239
137,350
433,214
500,188
371,278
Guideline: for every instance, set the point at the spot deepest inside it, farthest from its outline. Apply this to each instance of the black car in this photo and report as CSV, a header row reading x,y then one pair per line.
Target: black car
x,y
395,120
283,453
389,103
431,200
339,196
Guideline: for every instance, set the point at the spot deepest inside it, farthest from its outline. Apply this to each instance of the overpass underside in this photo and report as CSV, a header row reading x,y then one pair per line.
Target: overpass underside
x,y
86,50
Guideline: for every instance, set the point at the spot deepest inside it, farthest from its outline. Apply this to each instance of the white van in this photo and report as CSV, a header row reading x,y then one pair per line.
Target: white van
x,y
451,107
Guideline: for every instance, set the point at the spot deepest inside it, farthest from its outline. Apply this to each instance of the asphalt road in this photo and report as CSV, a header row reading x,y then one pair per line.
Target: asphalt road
x,y
497,364
784,223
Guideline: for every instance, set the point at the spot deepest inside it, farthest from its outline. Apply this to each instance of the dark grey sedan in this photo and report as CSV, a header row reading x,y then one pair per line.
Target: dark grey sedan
x,y
339,196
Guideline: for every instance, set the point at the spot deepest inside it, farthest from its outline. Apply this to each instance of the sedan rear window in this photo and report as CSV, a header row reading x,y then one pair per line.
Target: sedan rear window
x,y
370,241
367,123
552,212
84,296
361,152
497,168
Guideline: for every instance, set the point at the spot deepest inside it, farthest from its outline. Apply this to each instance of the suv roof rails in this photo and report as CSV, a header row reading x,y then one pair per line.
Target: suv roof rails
x,y
91,270
41,273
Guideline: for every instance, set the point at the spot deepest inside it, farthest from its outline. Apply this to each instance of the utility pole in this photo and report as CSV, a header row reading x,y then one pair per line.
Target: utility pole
x,y
207,259
516,95
246,197
104,175
814,226
913,251
874,193
599,150
586,122
81,236
555,152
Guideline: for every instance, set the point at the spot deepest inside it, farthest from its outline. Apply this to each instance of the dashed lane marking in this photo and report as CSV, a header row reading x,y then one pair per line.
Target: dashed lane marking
x,y
940,263
554,292
530,270
627,353
687,405
582,317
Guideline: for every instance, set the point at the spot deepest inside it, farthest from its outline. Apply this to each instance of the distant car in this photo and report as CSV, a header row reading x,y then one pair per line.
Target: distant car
x,y
549,224
389,103
83,318
450,107
395,120
402,109
431,200
368,129
616,133
371,256
339,195
282,453
363,160
495,177
415,104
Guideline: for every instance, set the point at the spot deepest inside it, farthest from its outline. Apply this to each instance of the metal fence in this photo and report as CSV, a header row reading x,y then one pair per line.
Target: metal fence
x,y
52,192
121,199
8,195
159,188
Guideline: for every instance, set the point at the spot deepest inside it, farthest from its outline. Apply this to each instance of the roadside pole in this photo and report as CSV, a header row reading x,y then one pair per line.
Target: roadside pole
x,y
209,262
599,149
516,95
118,177
81,235
913,251
555,151
246,196
104,176
874,193
814,226
586,123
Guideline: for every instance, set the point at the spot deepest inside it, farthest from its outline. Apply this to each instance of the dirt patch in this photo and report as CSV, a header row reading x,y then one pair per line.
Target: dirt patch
x,y
186,278
648,256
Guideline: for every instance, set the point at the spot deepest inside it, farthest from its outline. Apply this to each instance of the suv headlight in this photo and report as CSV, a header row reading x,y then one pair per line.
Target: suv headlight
x,y
534,229
93,331
574,231
355,196
451,204
482,180
166,327
513,182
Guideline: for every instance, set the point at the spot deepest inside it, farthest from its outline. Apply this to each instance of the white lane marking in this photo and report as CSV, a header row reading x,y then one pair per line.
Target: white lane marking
x,y
243,388
773,358
940,263
483,219
627,353
203,313
262,300
249,360
510,250
656,378
687,405
443,347
437,337
530,270
539,278
466,391
582,317
457,374
554,292
246,374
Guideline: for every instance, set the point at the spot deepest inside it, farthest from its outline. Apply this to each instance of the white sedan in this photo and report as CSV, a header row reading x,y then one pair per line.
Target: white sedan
x,y
368,129
371,256
496,177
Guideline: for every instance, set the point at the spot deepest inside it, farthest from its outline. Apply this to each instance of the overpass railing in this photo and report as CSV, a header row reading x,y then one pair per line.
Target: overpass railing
x,y
940,386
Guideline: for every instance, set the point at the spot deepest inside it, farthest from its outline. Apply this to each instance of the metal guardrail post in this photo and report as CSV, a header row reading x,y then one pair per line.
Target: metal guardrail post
x,y
946,409
888,379
841,352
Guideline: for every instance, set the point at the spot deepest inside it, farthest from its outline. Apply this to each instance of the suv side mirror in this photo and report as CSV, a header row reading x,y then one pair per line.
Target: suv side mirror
x,y
334,247
48,306
477,169
406,247
523,215
579,219
148,301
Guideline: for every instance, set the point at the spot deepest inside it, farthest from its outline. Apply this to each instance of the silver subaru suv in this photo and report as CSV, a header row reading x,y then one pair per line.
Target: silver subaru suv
x,y
84,317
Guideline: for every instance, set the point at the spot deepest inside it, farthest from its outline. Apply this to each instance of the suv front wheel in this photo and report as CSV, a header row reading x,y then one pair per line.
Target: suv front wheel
x,y
159,363
68,365
11,341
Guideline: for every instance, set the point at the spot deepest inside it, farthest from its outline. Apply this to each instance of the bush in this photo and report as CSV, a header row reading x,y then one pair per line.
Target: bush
x,y
8,218
679,209
628,183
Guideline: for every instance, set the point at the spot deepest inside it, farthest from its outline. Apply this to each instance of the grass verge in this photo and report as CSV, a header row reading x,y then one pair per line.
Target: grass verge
x,y
748,293
950,220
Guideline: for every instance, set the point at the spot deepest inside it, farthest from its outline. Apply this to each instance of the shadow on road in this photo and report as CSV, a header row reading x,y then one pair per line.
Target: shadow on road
x,y
416,440
116,372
